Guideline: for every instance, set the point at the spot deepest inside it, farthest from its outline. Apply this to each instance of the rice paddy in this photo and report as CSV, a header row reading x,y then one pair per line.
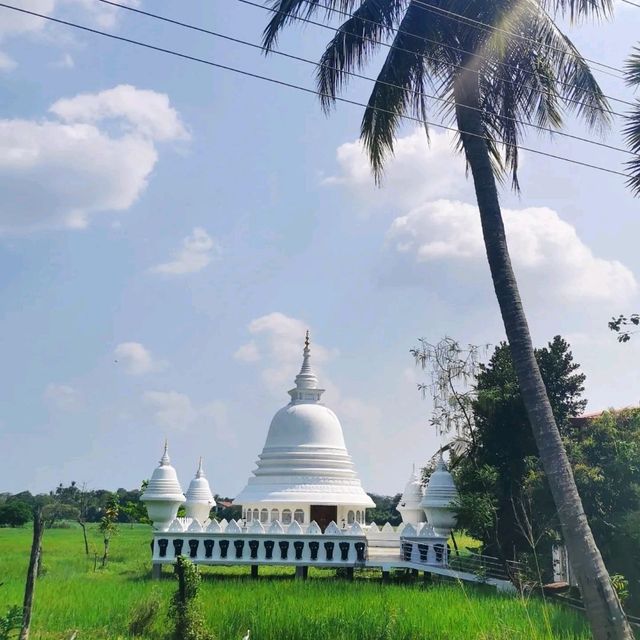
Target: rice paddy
x,y
99,603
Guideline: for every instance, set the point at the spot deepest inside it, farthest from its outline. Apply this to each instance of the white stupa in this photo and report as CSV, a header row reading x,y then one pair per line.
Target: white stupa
x,y
440,500
199,497
163,494
410,505
304,472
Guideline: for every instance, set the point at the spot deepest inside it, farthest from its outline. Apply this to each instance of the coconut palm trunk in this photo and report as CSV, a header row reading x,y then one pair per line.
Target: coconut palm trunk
x,y
606,616
494,85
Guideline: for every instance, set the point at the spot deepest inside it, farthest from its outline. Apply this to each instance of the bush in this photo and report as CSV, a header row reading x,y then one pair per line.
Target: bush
x,y
11,623
15,513
184,612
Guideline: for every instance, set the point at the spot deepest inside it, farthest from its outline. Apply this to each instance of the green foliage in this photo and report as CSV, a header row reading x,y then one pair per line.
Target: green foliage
x,y
621,585
10,623
275,607
385,510
185,612
621,323
605,454
108,525
15,513
501,481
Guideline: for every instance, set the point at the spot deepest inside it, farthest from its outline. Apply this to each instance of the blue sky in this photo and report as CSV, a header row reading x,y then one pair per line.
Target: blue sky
x,y
168,231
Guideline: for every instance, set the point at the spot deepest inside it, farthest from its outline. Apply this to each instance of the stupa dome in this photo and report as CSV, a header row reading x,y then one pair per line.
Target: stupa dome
x,y
163,494
199,496
441,499
410,505
304,459
164,484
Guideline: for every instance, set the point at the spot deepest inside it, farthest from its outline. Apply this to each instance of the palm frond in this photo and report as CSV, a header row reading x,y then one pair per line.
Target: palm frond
x,y
401,84
631,133
632,67
353,44
288,11
577,10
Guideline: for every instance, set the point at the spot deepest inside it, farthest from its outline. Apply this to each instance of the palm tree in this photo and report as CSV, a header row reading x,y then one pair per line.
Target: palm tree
x,y
494,82
632,129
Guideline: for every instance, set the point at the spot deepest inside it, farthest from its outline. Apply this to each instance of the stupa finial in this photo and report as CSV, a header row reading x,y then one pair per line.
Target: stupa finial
x,y
306,380
200,471
165,460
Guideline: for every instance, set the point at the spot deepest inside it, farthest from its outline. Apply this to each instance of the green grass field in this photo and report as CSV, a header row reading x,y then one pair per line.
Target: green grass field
x,y
72,596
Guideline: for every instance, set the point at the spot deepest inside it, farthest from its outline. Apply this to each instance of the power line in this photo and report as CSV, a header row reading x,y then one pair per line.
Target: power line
x,y
633,4
357,75
459,17
426,6
290,85
447,46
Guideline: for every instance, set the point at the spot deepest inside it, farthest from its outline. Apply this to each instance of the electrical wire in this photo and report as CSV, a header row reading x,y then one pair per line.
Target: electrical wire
x,y
427,57
459,17
290,85
357,75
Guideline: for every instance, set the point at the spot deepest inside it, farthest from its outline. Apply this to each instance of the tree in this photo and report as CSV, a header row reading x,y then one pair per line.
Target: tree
x,y
15,513
501,482
491,82
605,454
45,510
451,369
109,525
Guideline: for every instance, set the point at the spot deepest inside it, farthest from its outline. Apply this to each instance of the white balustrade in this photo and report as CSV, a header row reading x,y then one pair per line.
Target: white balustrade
x,y
252,546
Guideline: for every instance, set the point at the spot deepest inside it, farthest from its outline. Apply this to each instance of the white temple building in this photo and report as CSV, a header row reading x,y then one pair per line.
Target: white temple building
x,y
304,506
304,473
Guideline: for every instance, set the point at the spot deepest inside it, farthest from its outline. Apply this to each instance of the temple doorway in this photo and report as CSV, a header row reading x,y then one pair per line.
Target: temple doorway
x,y
324,514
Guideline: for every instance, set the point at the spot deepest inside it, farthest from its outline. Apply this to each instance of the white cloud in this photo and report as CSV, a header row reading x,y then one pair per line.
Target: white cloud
x,y
58,173
65,62
197,250
544,249
7,63
139,111
248,352
137,359
171,409
175,411
277,341
62,397
14,23
419,170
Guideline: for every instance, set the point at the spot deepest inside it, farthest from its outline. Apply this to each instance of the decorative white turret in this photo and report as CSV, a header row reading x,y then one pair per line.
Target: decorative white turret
x,y
163,494
410,505
440,499
304,464
199,497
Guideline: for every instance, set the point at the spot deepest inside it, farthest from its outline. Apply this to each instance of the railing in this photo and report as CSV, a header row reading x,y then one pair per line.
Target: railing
x,y
254,545
486,566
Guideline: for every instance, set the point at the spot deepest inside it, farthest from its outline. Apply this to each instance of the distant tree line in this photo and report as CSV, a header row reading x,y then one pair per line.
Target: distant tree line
x,y
91,505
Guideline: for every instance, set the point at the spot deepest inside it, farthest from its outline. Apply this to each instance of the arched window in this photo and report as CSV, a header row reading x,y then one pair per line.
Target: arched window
x,y
247,515
256,514
264,516
350,517
286,516
275,515
298,516
358,516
